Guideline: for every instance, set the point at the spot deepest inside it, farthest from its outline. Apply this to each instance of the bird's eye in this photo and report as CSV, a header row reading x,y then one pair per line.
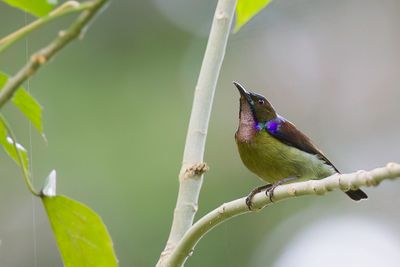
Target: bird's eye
x,y
261,102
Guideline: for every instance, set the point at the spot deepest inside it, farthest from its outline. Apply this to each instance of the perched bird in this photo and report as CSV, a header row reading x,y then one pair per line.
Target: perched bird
x,y
275,150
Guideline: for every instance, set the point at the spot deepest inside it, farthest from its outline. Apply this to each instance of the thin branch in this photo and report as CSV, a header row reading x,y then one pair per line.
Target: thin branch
x,y
65,9
45,54
25,172
314,187
193,167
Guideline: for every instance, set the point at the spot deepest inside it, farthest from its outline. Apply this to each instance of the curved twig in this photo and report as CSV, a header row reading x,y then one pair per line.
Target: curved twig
x,y
46,53
313,187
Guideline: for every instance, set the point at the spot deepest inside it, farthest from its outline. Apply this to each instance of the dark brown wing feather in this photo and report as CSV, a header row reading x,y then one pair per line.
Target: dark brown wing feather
x,y
290,135
287,133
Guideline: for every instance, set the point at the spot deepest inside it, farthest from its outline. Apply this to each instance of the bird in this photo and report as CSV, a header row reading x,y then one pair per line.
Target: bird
x,y
273,148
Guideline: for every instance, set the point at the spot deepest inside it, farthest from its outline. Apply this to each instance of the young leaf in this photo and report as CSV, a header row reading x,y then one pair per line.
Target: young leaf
x,y
50,185
38,8
8,145
246,9
82,238
26,104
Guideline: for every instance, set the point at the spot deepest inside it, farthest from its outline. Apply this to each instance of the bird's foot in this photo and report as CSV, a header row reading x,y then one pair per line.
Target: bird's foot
x,y
259,189
270,190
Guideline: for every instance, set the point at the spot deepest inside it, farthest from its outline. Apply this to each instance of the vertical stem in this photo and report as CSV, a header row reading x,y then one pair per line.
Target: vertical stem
x,y
191,174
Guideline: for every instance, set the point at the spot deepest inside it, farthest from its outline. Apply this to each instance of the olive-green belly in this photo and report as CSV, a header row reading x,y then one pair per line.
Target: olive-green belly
x,y
273,160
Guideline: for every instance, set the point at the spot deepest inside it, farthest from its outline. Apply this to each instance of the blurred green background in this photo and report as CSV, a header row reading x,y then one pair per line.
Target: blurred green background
x,y
117,106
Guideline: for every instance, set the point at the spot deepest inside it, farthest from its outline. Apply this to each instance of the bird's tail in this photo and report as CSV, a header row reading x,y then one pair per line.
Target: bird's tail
x,y
356,194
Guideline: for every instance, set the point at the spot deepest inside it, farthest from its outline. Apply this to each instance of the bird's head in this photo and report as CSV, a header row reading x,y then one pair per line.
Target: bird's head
x,y
254,106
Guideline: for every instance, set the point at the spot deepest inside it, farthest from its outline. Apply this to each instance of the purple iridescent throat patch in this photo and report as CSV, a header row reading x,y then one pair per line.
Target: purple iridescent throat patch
x,y
272,126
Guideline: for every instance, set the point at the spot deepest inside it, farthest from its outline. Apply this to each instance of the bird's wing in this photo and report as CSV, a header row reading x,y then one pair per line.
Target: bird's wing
x,y
287,133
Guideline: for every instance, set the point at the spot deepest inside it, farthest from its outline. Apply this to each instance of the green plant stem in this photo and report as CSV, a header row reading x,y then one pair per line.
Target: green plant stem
x,y
25,172
193,167
237,207
65,9
45,54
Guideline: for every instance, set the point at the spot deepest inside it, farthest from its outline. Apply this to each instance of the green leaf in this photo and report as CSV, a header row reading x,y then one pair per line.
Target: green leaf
x,y
246,9
38,8
28,105
82,238
8,145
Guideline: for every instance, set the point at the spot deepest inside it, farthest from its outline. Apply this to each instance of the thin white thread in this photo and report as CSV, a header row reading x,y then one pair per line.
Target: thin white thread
x,y
34,236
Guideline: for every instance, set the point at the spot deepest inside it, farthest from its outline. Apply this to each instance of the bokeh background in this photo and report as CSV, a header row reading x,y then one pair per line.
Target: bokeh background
x,y
117,106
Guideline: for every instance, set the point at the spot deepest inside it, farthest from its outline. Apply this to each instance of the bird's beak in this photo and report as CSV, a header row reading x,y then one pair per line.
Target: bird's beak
x,y
245,94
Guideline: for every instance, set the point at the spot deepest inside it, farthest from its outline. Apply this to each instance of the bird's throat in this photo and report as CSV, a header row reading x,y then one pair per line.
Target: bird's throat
x,y
247,124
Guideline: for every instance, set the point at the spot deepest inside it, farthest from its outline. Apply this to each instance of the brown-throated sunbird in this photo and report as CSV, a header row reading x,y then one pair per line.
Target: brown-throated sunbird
x,y
275,150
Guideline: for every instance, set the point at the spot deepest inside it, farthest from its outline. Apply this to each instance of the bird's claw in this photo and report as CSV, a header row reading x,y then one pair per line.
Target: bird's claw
x,y
248,202
270,191
259,189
